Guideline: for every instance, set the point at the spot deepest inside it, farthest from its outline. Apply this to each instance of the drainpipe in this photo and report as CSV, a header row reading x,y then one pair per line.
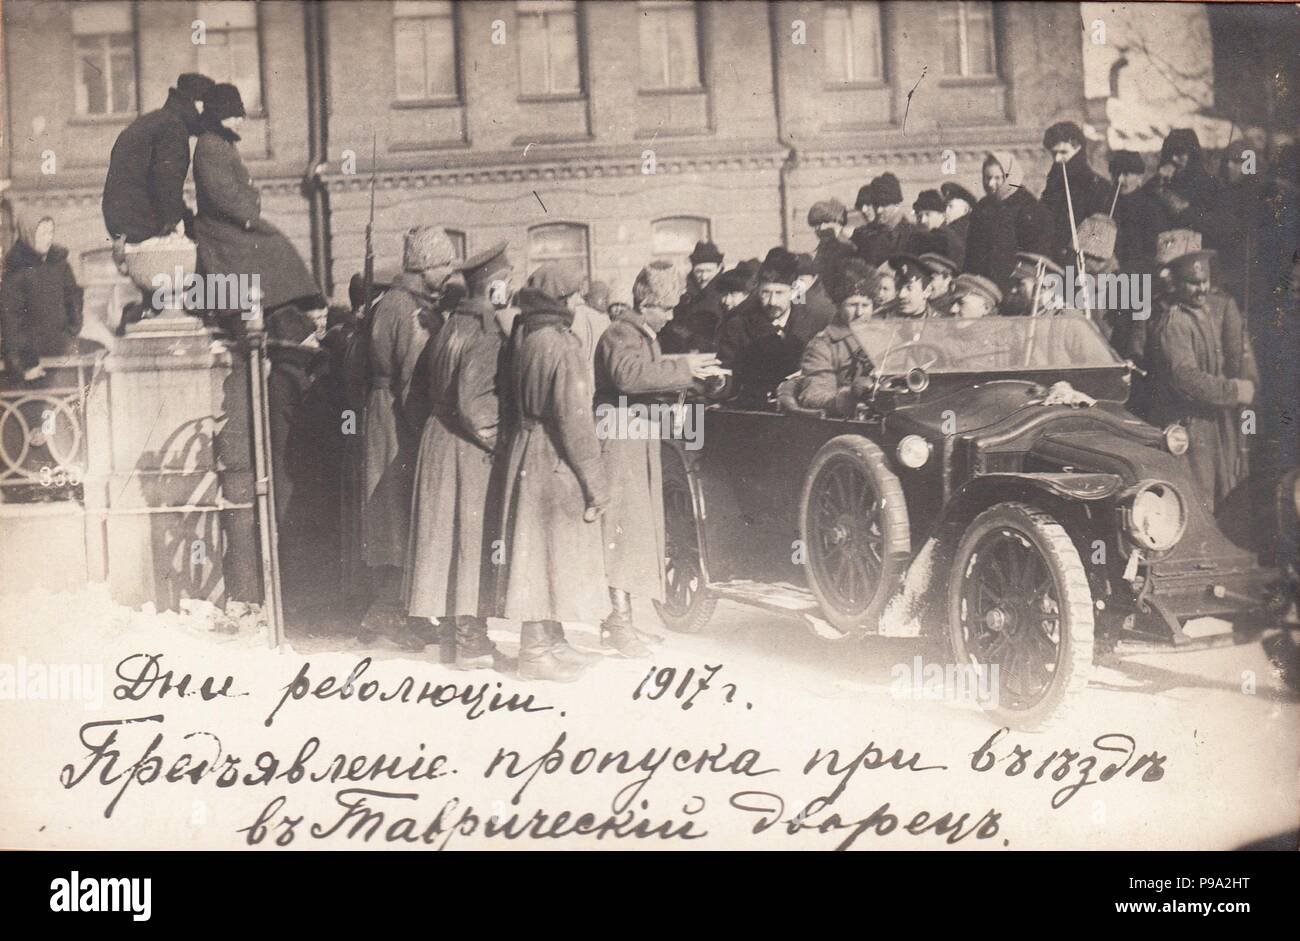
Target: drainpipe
x,y
313,186
775,30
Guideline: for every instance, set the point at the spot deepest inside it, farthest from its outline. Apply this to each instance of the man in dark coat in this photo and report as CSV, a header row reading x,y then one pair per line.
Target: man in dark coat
x,y
631,373
1182,183
1140,216
1205,374
143,192
763,340
394,421
942,272
554,488
958,203
1007,221
40,300
827,219
695,320
810,287
1090,193
450,546
892,231
834,359
912,277
933,236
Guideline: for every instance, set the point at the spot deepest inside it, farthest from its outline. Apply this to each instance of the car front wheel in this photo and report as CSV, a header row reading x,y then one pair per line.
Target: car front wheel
x,y
1020,613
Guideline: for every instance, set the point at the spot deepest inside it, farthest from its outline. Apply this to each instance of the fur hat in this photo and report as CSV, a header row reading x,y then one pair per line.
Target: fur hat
x,y
953,191
853,277
223,101
779,267
929,201
1126,161
827,210
1097,235
425,247
1174,243
194,86
886,190
706,253
659,284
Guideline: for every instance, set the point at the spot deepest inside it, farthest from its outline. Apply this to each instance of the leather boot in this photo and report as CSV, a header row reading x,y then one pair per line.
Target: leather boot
x,y
537,660
565,651
474,650
616,631
622,605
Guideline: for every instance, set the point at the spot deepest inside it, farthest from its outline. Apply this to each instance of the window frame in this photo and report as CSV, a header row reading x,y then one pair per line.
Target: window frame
x,y
705,221
699,85
882,49
133,37
533,262
580,51
457,97
960,10
258,44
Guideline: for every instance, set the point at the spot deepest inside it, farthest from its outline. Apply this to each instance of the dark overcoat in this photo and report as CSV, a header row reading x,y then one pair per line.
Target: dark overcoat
x,y
999,228
450,546
40,305
144,189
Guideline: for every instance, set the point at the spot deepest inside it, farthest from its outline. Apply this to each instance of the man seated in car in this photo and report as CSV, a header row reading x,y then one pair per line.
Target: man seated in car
x,y
1027,295
762,342
835,358
913,279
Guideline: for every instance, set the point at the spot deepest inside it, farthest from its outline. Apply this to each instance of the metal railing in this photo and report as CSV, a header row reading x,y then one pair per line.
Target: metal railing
x,y
43,432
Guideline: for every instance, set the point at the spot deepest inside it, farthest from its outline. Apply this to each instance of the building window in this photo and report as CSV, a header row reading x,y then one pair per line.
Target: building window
x,y
548,48
230,51
670,46
674,238
105,49
566,245
853,43
424,47
457,242
969,46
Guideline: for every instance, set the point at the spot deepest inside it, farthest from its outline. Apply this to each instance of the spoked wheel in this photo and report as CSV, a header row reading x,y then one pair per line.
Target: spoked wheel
x,y
688,604
853,520
1020,612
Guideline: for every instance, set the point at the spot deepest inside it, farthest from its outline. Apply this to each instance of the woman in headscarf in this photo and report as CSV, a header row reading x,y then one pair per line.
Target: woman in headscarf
x,y
233,238
1009,219
40,300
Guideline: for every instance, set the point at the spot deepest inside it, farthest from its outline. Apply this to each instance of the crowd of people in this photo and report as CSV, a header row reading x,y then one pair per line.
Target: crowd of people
x,y
435,439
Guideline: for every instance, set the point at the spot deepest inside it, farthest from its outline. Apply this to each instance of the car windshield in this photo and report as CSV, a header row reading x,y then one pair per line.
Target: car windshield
x,y
1067,340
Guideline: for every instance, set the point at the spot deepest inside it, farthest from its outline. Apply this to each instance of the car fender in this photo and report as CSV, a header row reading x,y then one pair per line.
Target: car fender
x,y
1061,490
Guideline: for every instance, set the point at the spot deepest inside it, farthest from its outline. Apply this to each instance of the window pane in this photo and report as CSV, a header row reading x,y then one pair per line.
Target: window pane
x,y
422,8
949,27
835,29
563,30
91,19
979,37
408,49
866,42
123,81
245,66
440,58
675,238
457,242
92,90
555,241
683,52
532,55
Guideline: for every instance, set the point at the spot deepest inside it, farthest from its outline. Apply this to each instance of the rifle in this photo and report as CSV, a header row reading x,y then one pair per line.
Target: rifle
x,y
368,272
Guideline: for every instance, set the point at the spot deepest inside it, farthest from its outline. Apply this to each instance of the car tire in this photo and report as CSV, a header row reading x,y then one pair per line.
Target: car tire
x,y
854,560
1015,565
688,603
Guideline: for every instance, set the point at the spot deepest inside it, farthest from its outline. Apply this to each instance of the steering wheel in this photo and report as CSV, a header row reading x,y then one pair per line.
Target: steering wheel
x,y
917,352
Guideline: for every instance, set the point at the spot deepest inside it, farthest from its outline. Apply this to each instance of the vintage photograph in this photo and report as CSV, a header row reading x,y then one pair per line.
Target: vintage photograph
x,y
649,425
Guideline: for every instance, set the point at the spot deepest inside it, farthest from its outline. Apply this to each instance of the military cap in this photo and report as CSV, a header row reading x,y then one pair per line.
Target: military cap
x,y
1172,243
555,281
853,277
1028,263
659,284
827,210
977,284
1126,161
479,269
907,268
1192,265
953,191
937,263
779,267
929,201
706,253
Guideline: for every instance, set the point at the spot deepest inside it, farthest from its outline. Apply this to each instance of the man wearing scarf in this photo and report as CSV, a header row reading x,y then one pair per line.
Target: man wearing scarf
x,y
631,370
394,421
552,487
1090,193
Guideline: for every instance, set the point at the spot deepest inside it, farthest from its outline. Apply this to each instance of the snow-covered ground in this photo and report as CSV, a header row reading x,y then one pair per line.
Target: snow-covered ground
x,y
784,719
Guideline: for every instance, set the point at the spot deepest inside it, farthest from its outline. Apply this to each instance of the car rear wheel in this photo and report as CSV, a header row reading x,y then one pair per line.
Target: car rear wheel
x,y
1020,612
688,604
853,521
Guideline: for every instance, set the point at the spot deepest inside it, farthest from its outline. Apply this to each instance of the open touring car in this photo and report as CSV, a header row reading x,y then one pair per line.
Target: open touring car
x,y
994,465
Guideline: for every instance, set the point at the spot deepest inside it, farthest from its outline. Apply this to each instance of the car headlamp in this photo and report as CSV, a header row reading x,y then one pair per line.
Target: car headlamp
x,y
1177,440
1155,515
913,451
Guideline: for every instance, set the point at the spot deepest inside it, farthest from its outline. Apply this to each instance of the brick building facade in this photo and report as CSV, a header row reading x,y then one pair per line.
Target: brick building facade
x,y
539,121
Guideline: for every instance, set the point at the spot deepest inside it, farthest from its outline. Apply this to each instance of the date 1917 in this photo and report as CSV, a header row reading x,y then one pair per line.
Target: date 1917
x,y
683,686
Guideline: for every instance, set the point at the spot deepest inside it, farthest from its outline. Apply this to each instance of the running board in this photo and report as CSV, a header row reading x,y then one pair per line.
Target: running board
x,y
780,598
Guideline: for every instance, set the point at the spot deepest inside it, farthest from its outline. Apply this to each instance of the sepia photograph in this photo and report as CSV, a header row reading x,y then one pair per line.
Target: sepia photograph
x,y
650,425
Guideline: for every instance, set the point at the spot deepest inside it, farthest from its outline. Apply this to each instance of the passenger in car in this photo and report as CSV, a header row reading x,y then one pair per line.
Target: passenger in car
x,y
913,279
763,341
835,357
974,296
